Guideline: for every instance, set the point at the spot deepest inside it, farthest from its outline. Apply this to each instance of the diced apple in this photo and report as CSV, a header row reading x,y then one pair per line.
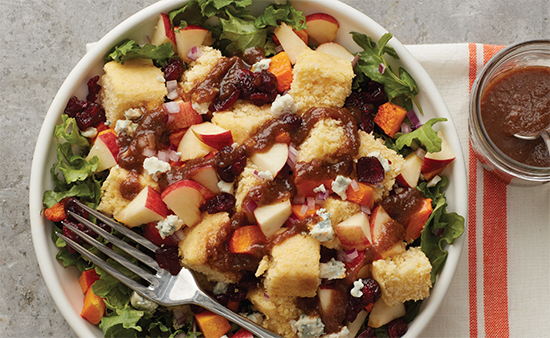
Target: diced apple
x,y
387,234
360,266
244,239
292,44
242,333
273,160
335,49
212,135
189,37
271,217
185,198
356,325
163,32
354,232
418,219
191,147
186,117
106,150
438,161
382,314
410,172
207,176
332,305
146,207
322,27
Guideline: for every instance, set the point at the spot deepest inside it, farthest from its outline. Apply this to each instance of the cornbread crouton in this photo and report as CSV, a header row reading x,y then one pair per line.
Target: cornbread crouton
x,y
369,144
294,267
324,139
199,69
246,181
403,277
193,249
243,119
320,80
339,211
112,200
278,311
134,84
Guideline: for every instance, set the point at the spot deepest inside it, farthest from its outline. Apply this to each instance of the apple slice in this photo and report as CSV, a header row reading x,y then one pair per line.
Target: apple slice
x,y
186,117
146,207
189,37
271,217
163,32
438,161
335,49
354,232
356,325
292,44
332,305
322,27
387,233
273,160
410,173
106,150
185,198
207,176
191,147
213,135
382,313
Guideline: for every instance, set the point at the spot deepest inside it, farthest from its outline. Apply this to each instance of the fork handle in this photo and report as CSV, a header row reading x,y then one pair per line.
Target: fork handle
x,y
210,304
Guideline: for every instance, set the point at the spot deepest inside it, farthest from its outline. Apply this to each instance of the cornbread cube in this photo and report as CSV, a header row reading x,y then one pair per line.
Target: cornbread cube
x,y
403,277
246,181
112,200
134,84
294,268
199,69
370,144
243,119
324,139
320,80
193,249
339,211
278,311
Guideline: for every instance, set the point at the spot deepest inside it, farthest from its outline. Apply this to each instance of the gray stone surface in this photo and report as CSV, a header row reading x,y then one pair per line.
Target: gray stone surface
x,y
43,41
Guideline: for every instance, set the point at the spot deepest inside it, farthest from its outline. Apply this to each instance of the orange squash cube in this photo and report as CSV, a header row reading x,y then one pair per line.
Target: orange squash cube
x,y
87,279
363,196
94,307
390,117
417,220
245,238
212,325
280,67
57,212
298,208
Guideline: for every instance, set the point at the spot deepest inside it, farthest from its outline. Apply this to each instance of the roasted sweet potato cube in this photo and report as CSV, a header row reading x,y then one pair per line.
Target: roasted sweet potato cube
x,y
363,195
57,212
87,279
390,117
244,239
212,325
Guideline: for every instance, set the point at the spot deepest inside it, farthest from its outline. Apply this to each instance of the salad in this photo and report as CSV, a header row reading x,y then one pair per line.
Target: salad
x,y
291,175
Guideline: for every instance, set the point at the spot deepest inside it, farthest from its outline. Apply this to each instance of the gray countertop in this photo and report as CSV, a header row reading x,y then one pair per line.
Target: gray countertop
x,y
43,41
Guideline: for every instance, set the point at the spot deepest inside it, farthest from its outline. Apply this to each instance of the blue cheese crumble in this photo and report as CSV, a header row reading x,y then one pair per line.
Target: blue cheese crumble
x,y
155,166
169,225
320,188
344,333
220,288
333,269
226,187
266,175
357,290
261,65
133,113
283,104
308,327
143,304
125,126
340,185
323,231
201,108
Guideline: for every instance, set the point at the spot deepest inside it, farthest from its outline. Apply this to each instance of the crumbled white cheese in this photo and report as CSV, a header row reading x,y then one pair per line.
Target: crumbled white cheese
x,y
125,126
433,182
357,290
256,317
266,175
226,186
261,65
308,327
220,288
384,162
143,304
283,104
169,225
133,113
161,78
344,333
89,132
155,166
201,108
323,231
333,269
320,188
340,185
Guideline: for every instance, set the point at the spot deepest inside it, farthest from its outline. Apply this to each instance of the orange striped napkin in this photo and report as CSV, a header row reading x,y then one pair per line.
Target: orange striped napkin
x,y
502,284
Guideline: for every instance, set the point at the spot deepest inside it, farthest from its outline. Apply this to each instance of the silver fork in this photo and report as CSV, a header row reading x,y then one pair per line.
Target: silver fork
x,y
164,288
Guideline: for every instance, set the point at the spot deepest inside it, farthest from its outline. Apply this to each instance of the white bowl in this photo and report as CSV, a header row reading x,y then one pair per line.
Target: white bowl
x,y
63,283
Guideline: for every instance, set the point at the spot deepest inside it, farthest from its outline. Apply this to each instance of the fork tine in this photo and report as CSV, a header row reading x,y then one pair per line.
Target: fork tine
x,y
116,241
117,257
129,282
125,231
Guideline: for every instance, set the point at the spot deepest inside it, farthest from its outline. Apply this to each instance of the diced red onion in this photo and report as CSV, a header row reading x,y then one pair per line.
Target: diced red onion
x,y
299,200
266,296
163,155
351,255
304,209
178,236
148,152
365,209
257,174
142,142
321,197
292,219
405,128
194,53
311,203
355,60
381,68
179,316
292,156
278,49
173,155
172,85
250,206
171,107
420,153
354,185
413,118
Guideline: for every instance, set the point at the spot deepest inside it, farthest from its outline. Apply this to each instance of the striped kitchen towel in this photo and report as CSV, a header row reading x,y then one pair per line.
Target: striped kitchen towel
x,y
502,284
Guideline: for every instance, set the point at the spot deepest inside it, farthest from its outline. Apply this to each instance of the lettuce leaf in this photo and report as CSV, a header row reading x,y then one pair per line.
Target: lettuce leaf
x,y
275,14
130,49
425,135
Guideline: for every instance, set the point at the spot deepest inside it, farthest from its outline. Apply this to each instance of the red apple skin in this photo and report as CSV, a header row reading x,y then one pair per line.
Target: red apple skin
x,y
216,141
205,193
189,37
323,16
186,117
243,333
109,138
155,203
151,232
433,162
386,232
322,27
168,27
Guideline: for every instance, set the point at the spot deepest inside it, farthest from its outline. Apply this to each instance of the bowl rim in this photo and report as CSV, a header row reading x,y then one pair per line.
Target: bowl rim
x,y
39,177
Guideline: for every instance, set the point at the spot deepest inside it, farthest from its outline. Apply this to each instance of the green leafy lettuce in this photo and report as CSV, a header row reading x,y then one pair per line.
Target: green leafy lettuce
x,y
426,135
130,49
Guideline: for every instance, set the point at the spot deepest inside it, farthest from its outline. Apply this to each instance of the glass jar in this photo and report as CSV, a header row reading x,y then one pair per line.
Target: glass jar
x,y
523,54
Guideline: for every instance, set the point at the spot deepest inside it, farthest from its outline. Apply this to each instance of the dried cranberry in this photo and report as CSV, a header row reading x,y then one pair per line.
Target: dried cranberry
x,y
93,89
266,82
246,82
238,165
168,259
249,281
375,93
225,99
222,298
368,332
259,99
74,106
71,235
173,70
397,328
370,170
93,115
70,205
235,293
371,291
367,123
295,121
220,203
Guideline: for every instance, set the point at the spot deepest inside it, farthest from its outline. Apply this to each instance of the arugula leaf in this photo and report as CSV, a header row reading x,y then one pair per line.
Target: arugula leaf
x,y
242,33
425,135
129,49
123,322
275,14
